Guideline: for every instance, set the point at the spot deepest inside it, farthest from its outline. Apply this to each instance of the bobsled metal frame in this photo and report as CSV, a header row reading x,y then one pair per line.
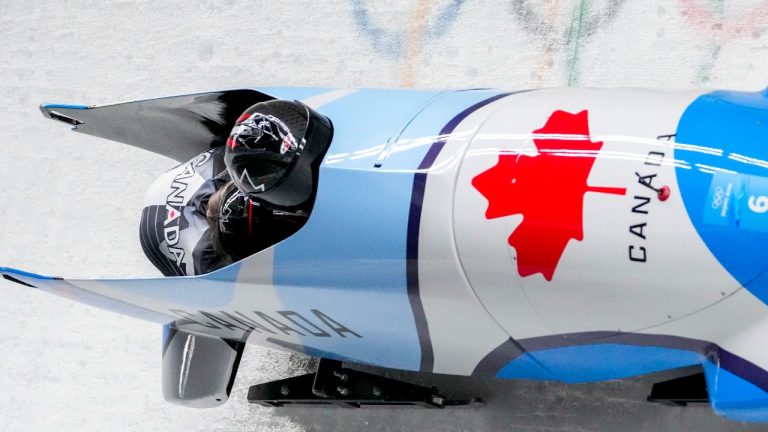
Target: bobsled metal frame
x,y
333,384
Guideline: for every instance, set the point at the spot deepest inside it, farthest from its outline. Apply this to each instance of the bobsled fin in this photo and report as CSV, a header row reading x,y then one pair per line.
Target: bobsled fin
x,y
178,127
96,296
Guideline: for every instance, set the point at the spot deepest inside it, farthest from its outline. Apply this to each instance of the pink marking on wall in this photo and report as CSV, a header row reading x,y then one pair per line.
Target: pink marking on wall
x,y
702,15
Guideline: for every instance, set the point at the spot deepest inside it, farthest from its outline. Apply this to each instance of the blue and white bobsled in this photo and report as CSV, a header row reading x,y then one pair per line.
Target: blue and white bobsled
x,y
562,234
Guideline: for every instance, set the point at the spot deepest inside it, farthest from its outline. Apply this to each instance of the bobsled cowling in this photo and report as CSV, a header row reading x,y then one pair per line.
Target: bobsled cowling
x,y
563,234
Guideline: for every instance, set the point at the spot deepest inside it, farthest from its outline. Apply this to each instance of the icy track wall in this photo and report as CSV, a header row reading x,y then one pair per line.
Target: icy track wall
x,y
71,203
570,43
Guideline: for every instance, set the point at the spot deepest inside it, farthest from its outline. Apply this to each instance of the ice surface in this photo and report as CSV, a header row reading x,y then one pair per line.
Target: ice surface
x,y
70,203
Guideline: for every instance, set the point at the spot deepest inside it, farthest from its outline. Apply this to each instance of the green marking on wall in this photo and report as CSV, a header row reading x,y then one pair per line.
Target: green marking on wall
x,y
704,73
573,41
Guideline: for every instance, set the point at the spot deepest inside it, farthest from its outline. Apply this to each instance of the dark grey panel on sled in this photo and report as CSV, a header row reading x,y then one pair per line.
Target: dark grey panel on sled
x,y
198,370
178,127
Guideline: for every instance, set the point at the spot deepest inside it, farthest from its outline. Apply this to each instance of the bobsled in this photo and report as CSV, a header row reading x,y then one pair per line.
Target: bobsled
x,y
574,235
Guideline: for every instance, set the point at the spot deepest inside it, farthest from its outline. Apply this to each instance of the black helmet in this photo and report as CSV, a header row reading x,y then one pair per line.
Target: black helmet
x,y
264,149
236,212
245,227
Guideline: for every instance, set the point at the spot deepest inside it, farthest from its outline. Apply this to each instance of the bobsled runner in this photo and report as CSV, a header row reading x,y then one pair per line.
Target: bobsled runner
x,y
570,234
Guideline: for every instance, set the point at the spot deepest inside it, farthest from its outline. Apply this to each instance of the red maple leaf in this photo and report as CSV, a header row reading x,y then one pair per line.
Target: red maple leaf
x,y
547,189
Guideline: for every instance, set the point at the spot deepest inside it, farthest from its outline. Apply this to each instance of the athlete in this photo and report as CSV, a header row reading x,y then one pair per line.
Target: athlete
x,y
234,200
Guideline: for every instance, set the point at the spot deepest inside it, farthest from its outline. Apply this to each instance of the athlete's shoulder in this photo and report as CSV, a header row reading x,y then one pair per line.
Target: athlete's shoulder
x,y
180,184
173,220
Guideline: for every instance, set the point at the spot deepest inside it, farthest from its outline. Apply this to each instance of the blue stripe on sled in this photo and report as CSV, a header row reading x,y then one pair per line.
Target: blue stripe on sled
x,y
598,362
16,272
724,136
67,106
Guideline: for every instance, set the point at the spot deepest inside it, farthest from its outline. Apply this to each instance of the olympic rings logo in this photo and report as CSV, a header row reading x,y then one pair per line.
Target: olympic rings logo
x,y
717,198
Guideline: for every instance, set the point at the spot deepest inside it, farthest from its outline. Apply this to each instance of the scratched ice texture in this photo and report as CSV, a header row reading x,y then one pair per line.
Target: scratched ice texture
x,y
70,203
